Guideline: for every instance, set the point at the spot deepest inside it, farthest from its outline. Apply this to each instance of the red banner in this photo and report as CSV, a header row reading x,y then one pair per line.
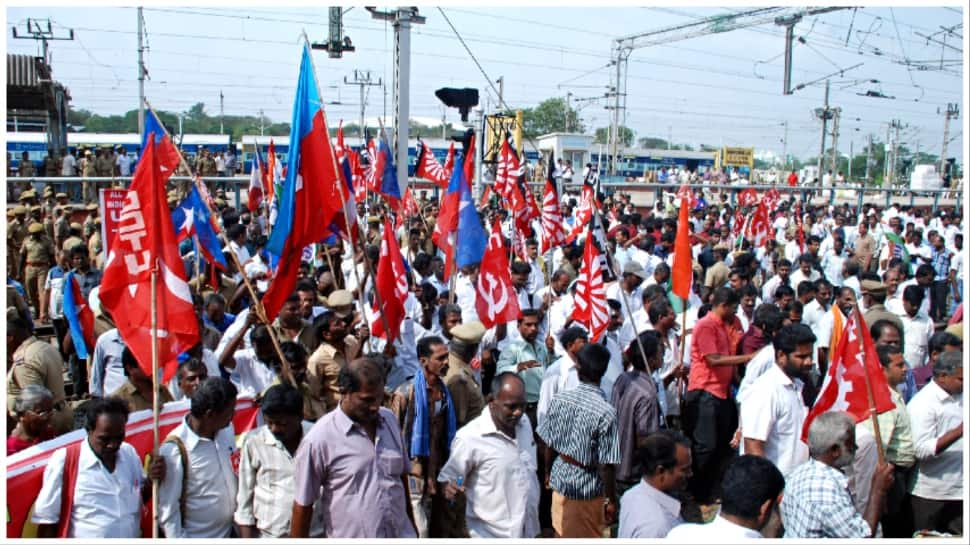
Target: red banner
x,y
111,202
25,469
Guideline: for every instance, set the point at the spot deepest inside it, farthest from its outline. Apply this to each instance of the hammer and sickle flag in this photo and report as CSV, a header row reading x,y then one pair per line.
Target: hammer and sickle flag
x,y
496,302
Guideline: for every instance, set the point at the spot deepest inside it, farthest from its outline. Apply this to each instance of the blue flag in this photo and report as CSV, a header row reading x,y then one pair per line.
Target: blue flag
x,y
471,236
191,219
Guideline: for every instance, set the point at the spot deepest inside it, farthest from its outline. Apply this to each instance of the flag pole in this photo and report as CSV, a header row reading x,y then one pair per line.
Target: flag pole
x,y
155,400
880,451
257,304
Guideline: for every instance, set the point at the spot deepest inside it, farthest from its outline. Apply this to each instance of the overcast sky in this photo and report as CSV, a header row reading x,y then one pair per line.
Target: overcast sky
x,y
715,89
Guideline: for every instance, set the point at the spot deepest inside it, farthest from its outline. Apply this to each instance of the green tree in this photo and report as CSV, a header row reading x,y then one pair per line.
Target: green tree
x,y
649,142
603,136
551,115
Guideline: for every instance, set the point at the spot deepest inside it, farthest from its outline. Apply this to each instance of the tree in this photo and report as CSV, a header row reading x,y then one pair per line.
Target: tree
x,y
551,115
603,136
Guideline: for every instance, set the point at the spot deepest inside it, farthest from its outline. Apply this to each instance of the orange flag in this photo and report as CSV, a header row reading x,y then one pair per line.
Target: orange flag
x,y
682,272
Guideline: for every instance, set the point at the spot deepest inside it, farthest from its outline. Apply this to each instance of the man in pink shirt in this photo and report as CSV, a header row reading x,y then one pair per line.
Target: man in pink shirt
x,y
710,415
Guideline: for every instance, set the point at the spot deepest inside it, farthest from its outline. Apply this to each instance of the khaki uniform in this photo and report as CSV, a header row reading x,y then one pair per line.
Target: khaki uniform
x,y
52,165
38,255
323,367
37,362
465,392
16,233
94,248
307,336
89,171
138,402
27,169
62,230
72,242
49,226
104,166
89,227
208,167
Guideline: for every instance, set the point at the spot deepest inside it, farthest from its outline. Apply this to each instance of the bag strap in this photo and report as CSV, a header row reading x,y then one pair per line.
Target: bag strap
x,y
183,453
68,484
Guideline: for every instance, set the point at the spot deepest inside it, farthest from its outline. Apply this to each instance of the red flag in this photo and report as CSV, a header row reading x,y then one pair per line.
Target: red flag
x,y
146,241
507,171
844,388
391,286
410,206
801,230
255,195
738,224
748,198
758,228
770,199
357,172
686,193
552,232
681,274
591,309
587,203
428,167
496,302
269,177
486,195
450,161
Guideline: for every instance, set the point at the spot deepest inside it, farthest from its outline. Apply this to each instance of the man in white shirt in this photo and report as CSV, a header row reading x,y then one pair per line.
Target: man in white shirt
x,y
805,271
123,162
936,414
68,163
110,488
631,284
772,413
266,484
208,443
818,306
562,375
917,328
255,367
493,465
752,490
768,290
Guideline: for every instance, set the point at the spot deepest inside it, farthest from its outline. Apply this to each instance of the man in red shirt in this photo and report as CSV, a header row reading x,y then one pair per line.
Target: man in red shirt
x,y
710,415
793,179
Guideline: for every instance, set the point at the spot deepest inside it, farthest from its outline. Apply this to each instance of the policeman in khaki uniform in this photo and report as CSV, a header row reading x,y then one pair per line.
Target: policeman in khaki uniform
x,y
16,233
27,169
37,254
89,222
52,164
95,246
104,164
88,171
33,361
460,378
74,239
62,225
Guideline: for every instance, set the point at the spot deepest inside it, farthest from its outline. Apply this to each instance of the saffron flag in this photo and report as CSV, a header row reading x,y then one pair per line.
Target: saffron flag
x,y
79,317
391,288
309,198
256,191
146,242
682,271
844,387
496,301
167,155
191,219
590,308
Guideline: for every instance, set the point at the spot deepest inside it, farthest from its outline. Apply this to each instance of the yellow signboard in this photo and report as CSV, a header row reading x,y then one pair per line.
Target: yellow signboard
x,y
737,157
496,127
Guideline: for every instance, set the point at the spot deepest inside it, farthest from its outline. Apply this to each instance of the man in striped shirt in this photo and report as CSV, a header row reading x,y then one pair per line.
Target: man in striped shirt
x,y
581,452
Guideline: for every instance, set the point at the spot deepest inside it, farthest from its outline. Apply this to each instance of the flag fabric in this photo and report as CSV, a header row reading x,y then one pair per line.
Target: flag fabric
x,y
357,175
309,198
146,241
682,271
758,228
167,155
507,171
771,199
410,206
382,175
844,387
590,307
344,219
496,301
471,237
686,194
486,196
584,213
448,224
391,288
553,234
256,189
428,167
800,228
748,198
273,174
897,248
191,219
79,317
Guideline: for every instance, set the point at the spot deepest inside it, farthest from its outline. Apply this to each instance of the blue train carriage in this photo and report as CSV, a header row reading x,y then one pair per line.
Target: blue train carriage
x,y
190,144
246,147
34,143
637,162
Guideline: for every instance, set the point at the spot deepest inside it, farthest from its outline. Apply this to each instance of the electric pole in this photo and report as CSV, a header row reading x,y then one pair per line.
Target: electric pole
x,y
848,175
784,145
894,126
41,30
836,113
823,113
501,92
222,116
362,80
868,159
261,122
402,19
952,112
141,72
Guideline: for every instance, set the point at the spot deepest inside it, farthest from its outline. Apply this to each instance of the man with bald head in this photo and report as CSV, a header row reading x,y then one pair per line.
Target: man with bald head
x,y
493,466
356,456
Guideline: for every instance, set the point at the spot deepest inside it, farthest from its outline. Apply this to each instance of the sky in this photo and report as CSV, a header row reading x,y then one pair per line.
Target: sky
x,y
718,89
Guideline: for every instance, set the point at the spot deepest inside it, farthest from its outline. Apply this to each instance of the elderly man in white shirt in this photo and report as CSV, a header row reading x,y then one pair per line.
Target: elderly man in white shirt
x,y
752,491
110,487
493,465
266,483
936,413
201,504
772,412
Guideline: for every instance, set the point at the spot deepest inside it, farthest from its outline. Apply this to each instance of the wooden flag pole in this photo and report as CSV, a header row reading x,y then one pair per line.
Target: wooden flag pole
x,y
880,451
257,304
155,400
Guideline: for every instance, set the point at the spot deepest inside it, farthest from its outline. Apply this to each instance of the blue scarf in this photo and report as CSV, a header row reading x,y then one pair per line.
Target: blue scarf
x,y
421,430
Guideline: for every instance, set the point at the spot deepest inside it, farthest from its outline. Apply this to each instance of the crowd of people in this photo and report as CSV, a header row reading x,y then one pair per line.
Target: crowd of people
x,y
683,420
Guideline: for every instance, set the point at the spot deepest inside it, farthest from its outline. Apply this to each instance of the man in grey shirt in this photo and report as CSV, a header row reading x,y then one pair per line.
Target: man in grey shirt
x,y
649,509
